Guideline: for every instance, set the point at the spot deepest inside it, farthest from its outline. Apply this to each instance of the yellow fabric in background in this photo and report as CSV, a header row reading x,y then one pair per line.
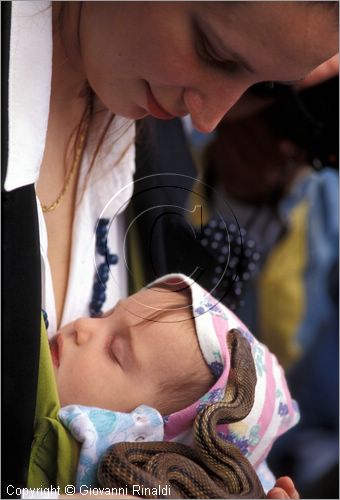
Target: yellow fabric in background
x,y
198,206
281,296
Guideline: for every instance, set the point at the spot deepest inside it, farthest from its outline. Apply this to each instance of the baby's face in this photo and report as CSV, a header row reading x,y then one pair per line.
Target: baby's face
x,y
121,360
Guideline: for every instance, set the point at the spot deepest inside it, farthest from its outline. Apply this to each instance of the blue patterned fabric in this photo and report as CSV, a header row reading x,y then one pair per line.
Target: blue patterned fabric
x,y
97,429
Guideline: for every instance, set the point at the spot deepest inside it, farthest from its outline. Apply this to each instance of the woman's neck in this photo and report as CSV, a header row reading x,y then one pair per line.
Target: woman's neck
x,y
68,96
68,102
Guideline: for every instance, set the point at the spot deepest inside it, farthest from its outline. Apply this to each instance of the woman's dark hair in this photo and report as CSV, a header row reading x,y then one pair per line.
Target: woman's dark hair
x,y
309,118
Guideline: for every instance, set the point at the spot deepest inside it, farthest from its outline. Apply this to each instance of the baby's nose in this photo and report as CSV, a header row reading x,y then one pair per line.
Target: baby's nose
x,y
83,331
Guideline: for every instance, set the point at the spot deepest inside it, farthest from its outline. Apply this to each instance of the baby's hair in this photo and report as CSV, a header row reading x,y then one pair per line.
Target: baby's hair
x,y
177,395
177,299
174,395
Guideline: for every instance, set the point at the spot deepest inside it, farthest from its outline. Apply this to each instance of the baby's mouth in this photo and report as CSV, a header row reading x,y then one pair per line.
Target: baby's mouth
x,y
54,347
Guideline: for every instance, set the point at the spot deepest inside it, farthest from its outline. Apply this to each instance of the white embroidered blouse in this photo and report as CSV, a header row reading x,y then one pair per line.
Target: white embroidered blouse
x,y
109,186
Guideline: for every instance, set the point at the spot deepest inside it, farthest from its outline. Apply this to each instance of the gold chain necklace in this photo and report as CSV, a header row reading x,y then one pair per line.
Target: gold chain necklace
x,y
76,162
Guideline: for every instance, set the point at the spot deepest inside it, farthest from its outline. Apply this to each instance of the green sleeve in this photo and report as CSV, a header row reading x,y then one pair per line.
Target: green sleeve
x,y
54,453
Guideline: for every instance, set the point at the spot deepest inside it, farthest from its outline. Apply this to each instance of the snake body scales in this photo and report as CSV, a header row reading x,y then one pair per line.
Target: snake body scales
x,y
215,468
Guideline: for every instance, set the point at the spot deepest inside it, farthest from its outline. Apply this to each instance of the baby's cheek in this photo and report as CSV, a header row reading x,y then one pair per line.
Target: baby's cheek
x,y
73,379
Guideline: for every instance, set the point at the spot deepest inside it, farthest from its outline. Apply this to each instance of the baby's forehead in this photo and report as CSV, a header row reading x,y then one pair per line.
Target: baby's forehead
x,y
160,305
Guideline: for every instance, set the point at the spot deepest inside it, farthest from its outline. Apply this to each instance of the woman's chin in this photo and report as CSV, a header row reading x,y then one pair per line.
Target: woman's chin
x,y
136,113
133,112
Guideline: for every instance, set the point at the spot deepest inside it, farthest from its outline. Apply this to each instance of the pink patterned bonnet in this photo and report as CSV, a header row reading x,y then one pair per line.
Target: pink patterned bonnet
x,y
273,412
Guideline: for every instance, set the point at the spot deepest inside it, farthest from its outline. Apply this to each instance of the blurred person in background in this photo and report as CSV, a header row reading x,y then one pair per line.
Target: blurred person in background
x,y
273,162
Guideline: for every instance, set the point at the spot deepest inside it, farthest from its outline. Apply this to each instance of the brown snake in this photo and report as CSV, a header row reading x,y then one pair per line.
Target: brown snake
x,y
215,468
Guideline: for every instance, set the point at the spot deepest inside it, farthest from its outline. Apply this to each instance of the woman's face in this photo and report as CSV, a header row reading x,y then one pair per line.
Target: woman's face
x,y
174,58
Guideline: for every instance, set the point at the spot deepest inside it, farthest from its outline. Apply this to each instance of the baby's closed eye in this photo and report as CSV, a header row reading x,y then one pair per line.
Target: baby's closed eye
x,y
120,350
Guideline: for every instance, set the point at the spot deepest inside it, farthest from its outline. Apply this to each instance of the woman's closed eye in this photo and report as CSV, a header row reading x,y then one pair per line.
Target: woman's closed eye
x,y
210,56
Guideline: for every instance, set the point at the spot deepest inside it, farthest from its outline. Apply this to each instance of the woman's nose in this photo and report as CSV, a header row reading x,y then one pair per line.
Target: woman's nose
x,y
207,107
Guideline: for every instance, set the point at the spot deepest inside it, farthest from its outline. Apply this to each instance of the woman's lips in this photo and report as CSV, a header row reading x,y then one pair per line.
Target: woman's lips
x,y
154,107
54,347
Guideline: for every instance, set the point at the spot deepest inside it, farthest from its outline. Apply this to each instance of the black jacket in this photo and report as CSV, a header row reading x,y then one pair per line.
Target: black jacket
x,y
21,299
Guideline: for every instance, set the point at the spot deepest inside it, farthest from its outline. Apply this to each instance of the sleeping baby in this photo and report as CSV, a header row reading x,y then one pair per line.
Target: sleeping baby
x,y
145,370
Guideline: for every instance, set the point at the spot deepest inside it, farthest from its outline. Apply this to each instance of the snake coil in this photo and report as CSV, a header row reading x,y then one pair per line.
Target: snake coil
x,y
215,468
